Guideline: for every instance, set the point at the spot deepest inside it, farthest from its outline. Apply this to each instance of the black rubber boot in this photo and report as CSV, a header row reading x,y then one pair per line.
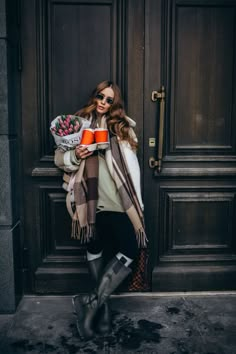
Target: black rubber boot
x,y
87,306
113,275
95,268
102,320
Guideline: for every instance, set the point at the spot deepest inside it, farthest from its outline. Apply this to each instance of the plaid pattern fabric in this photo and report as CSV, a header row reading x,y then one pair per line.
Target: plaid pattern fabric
x,y
119,171
139,280
86,196
86,193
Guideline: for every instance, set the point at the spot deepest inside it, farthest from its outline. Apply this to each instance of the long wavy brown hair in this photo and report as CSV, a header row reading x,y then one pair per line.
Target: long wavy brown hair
x,y
117,122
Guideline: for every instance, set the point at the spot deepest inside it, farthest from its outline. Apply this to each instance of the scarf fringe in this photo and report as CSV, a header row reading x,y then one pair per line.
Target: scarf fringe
x,y
141,238
84,234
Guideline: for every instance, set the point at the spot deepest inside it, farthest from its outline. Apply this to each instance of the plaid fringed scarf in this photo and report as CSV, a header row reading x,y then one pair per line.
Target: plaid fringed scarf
x,y
119,171
86,194
86,197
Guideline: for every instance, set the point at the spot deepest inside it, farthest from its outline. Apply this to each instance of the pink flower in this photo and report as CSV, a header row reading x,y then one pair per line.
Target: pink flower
x,y
66,124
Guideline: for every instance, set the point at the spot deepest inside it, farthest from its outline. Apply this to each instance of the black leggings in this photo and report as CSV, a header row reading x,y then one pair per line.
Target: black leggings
x,y
116,230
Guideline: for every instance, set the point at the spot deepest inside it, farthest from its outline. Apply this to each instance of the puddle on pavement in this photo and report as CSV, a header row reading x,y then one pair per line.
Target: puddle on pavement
x,y
126,334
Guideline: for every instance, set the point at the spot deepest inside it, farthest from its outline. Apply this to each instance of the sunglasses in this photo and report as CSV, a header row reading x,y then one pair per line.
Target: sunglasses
x,y
101,97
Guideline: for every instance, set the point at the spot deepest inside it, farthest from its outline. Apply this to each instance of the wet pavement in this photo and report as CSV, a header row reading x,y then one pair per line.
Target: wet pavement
x,y
200,323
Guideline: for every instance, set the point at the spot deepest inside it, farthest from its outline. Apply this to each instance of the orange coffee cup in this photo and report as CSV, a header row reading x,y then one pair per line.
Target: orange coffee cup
x,y
87,137
101,135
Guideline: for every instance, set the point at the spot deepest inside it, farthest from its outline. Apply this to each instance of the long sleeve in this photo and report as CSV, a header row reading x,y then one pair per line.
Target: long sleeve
x,y
66,160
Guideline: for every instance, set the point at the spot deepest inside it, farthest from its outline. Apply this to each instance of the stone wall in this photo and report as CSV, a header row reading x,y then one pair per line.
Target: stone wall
x,y
10,157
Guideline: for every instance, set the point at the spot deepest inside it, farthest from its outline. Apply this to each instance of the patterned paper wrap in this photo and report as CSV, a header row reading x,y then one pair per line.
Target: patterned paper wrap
x,y
67,130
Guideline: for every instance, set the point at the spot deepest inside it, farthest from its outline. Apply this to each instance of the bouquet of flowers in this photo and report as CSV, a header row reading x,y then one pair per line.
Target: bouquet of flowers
x,y
67,130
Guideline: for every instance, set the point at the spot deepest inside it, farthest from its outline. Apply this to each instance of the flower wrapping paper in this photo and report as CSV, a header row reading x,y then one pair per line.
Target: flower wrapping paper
x,y
67,130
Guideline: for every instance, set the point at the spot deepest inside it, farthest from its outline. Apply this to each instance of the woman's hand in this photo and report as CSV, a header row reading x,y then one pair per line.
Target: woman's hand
x,y
81,152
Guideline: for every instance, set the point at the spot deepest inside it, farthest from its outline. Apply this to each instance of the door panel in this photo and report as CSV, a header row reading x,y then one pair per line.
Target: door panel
x,y
197,222
74,63
190,51
67,48
69,37
203,79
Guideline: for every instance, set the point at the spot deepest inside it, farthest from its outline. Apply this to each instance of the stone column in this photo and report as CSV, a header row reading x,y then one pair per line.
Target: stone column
x,y
10,176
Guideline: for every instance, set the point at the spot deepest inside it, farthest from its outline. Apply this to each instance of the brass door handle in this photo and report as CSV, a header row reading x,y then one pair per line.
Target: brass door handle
x,y
155,96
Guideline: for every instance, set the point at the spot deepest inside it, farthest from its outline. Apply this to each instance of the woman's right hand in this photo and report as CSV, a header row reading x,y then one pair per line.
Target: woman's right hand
x,y
81,152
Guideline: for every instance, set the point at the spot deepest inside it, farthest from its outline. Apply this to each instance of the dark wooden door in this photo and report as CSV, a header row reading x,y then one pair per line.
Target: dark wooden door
x,y
190,49
68,47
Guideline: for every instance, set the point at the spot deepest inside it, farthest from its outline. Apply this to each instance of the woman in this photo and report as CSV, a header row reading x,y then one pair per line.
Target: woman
x,y
104,191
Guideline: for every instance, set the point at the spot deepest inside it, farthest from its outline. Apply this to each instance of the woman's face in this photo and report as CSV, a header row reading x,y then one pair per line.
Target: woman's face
x,y
104,100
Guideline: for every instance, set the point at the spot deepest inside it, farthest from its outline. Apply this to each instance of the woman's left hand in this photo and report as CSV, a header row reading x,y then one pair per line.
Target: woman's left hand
x,y
82,152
